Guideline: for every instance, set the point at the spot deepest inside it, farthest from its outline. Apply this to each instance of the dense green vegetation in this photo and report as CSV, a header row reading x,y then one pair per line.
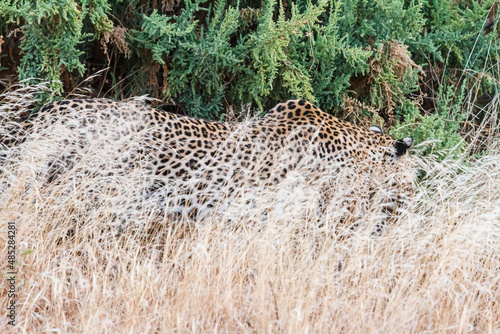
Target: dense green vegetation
x,y
423,67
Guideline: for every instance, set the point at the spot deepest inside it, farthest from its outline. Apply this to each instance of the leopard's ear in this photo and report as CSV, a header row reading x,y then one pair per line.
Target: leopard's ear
x,y
407,141
403,145
376,128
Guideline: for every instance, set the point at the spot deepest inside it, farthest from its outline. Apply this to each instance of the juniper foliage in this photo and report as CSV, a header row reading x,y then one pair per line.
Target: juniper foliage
x,y
410,65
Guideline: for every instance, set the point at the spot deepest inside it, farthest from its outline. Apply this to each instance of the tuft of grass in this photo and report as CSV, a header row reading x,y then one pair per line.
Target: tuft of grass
x,y
99,257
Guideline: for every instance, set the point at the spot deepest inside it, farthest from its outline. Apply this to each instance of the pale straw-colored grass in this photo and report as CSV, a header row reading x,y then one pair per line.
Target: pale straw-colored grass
x,y
276,259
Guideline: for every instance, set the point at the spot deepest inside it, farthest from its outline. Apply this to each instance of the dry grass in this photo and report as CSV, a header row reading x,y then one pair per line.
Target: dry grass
x,y
104,262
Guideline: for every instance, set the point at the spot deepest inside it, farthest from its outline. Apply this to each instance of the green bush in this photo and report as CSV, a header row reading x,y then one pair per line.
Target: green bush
x,y
54,32
407,64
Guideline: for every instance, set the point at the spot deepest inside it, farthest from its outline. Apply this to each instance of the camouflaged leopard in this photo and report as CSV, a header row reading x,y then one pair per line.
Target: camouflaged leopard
x,y
197,162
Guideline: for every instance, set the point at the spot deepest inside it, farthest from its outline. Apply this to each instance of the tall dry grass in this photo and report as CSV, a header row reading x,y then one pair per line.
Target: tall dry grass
x,y
96,256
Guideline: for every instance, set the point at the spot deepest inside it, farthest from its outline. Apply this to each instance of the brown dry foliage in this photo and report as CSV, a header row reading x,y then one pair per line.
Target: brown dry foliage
x,y
116,37
354,109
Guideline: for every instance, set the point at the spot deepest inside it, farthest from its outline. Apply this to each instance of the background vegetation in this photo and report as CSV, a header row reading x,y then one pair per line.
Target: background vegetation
x,y
408,65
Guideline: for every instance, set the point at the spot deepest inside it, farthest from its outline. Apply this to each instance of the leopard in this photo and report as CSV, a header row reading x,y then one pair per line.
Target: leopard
x,y
196,163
